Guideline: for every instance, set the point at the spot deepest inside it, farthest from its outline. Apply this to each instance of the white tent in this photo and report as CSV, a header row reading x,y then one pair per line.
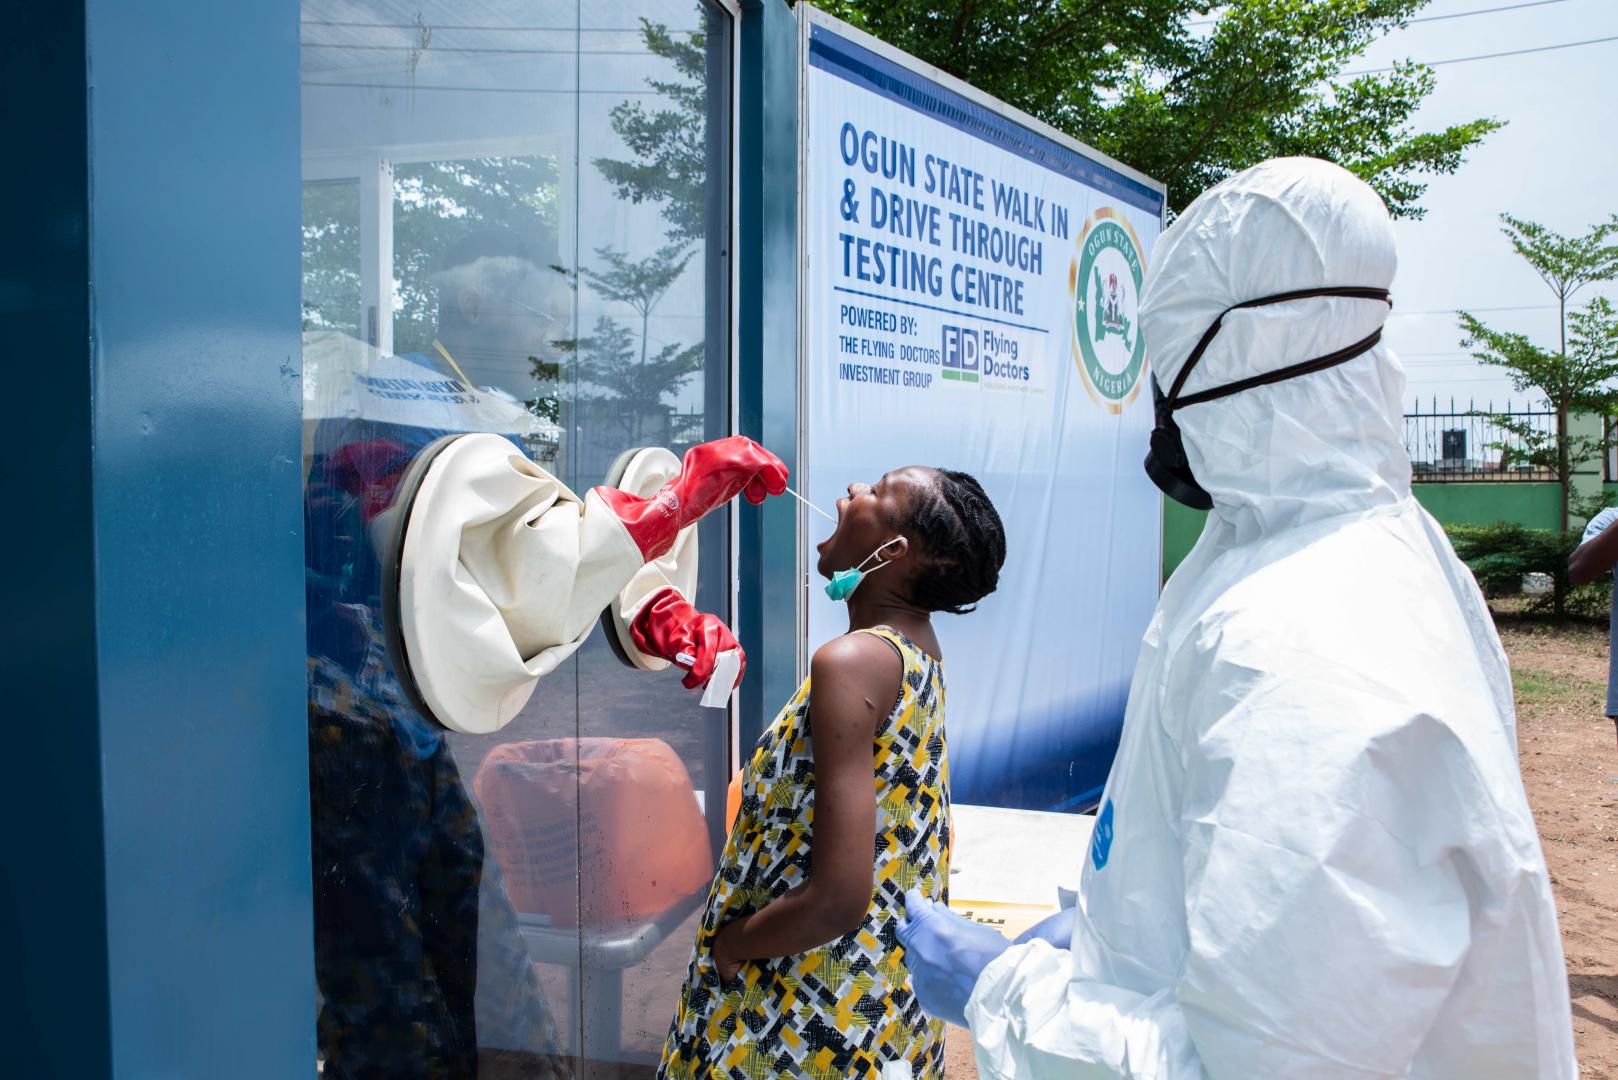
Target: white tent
x,y
346,379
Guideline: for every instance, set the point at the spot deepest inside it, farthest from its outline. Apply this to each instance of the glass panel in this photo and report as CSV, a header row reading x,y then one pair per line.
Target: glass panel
x,y
514,222
331,257
652,369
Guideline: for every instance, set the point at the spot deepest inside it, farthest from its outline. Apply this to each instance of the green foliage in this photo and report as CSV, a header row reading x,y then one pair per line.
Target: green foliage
x,y
617,388
1575,379
669,140
1566,263
331,257
1578,376
619,383
640,283
1500,555
1590,601
1191,104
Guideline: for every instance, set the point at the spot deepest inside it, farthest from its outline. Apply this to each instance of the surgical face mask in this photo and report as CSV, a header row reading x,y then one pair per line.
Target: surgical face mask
x,y
844,582
1166,462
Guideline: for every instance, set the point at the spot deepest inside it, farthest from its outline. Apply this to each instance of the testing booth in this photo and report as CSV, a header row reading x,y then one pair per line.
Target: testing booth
x,y
261,252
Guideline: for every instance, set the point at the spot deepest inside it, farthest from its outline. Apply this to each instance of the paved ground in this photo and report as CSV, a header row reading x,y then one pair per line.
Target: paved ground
x,y
1570,769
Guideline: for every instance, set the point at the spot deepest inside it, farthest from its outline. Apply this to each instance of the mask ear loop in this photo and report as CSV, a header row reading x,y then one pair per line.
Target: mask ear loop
x,y
875,554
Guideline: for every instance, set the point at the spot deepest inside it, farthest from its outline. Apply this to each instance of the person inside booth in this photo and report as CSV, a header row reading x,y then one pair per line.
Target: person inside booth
x,y
410,916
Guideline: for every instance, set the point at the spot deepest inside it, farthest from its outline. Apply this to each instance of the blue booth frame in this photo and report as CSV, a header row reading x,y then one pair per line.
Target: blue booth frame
x,y
157,886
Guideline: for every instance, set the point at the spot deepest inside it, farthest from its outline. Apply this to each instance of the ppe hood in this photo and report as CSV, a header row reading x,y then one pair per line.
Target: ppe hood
x,y
1313,446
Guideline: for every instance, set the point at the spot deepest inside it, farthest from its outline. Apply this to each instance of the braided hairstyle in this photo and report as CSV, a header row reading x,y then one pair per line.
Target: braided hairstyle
x,y
962,544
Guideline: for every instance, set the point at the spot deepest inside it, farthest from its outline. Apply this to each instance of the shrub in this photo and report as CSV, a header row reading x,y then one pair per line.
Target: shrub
x,y
1500,555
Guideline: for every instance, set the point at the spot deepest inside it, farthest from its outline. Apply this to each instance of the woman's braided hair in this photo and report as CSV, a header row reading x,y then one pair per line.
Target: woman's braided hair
x,y
963,544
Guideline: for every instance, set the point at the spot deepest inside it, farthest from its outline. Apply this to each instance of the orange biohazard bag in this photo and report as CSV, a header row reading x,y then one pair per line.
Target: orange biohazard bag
x,y
611,826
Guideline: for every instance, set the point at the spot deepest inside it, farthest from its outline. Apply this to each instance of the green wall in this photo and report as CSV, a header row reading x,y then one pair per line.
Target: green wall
x,y
1181,527
1535,505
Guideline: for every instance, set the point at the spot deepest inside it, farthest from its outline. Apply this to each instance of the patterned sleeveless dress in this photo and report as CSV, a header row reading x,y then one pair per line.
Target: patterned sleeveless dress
x,y
844,1009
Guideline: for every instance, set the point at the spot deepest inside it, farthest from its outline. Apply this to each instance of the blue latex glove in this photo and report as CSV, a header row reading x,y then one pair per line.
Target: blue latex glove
x,y
945,954
1058,930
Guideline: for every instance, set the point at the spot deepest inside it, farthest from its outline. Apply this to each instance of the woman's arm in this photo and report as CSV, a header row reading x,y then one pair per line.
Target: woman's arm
x,y
854,682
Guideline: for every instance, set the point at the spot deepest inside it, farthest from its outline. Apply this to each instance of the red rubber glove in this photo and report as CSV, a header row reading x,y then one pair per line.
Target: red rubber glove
x,y
668,626
710,475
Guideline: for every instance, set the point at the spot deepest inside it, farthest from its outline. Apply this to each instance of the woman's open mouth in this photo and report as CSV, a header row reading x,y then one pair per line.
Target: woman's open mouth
x,y
840,505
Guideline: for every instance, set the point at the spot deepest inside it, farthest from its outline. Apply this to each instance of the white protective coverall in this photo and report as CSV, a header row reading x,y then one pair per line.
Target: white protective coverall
x,y
1321,860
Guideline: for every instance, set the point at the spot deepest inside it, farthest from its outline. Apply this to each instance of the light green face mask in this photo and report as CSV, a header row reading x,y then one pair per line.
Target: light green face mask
x,y
844,582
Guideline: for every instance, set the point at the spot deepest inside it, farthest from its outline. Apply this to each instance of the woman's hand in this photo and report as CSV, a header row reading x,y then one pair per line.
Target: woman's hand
x,y
728,966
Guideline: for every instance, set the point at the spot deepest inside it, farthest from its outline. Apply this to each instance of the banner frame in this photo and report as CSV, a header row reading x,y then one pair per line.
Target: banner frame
x,y
810,17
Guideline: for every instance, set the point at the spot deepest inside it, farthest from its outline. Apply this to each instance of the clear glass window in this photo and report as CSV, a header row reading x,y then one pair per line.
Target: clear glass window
x,y
521,204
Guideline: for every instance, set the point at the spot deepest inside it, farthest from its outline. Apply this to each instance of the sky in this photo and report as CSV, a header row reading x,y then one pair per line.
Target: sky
x,y
1555,162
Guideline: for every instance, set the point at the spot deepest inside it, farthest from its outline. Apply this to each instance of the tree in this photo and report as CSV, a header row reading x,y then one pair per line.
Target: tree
x,y
1566,264
640,283
1190,100
1571,380
1576,378
670,143
671,157
622,382
627,392
331,257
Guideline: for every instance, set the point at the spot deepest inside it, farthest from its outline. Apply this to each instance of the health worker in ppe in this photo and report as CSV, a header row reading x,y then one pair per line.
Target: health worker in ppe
x,y
1314,856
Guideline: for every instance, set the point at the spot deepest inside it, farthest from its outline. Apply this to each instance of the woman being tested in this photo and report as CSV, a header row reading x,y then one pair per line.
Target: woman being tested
x,y
797,970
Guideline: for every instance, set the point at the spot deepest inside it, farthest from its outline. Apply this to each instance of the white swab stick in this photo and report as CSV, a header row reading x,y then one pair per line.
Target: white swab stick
x,y
812,506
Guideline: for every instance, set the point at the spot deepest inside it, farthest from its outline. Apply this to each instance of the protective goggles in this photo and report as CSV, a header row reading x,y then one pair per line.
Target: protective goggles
x,y
1166,462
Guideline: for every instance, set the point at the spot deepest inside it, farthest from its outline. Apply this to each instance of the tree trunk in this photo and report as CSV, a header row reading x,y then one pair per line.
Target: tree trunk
x,y
1564,465
1564,468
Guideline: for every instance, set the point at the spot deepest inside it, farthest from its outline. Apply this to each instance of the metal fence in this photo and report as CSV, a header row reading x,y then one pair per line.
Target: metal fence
x,y
1454,444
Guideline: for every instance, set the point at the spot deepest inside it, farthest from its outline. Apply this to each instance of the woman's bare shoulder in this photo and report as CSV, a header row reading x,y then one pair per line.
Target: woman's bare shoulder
x,y
856,675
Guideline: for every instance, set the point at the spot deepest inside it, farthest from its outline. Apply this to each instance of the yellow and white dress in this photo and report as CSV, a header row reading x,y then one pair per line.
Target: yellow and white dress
x,y
845,1008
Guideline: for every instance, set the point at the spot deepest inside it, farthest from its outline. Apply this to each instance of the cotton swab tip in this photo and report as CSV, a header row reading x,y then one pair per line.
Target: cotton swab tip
x,y
829,517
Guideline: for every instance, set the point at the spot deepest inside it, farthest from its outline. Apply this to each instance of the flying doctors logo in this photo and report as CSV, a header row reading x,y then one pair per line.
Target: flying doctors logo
x,y
987,358
1104,282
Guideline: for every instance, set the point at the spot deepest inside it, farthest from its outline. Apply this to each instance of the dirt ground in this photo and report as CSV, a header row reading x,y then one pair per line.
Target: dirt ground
x,y
1570,768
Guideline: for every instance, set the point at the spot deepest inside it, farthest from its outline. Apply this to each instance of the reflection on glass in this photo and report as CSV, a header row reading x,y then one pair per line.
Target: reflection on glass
x,y
513,221
331,257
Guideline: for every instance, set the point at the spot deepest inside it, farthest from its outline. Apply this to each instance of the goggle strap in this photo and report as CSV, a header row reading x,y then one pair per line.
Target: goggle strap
x,y
1353,292
1307,367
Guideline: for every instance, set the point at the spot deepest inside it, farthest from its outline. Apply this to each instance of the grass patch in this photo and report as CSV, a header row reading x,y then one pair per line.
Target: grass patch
x,y
1535,687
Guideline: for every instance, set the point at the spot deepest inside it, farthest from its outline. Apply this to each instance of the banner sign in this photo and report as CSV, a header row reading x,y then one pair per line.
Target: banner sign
x,y
970,287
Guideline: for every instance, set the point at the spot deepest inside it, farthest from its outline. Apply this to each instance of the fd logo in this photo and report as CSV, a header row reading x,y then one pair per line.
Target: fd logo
x,y
961,349
1104,282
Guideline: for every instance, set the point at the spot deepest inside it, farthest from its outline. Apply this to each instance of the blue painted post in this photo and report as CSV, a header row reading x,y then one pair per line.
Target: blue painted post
x,y
767,355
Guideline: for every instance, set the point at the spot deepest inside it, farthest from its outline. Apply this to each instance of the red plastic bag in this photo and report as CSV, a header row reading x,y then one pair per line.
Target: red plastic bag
x,y
620,813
